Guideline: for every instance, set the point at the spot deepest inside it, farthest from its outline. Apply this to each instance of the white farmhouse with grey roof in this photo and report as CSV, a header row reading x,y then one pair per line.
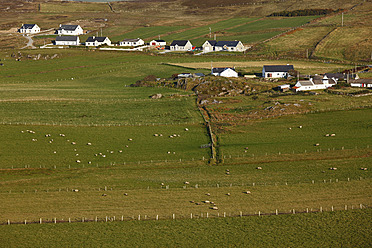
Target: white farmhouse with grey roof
x,y
69,30
97,41
131,42
29,29
181,45
208,46
224,72
229,46
67,41
276,71
315,83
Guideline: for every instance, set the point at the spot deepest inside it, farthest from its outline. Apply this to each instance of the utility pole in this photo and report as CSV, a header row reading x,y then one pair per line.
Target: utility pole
x,y
342,19
210,32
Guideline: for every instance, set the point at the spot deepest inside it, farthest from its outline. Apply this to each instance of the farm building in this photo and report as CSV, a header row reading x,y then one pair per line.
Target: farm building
x,y
97,41
229,46
316,83
181,45
336,76
131,42
69,30
208,46
363,83
224,72
29,29
158,43
276,71
284,87
67,41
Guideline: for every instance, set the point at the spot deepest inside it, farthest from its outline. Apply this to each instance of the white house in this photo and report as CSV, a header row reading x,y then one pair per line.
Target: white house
x,y
158,43
67,41
131,42
208,46
315,83
229,46
276,71
362,82
69,30
181,45
224,72
29,29
97,41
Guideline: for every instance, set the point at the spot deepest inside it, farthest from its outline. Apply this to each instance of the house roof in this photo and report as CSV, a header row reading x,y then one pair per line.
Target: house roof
x,y
277,68
361,81
179,42
305,83
227,43
131,40
93,39
68,27
219,70
159,40
335,75
199,74
28,26
67,38
212,42
317,80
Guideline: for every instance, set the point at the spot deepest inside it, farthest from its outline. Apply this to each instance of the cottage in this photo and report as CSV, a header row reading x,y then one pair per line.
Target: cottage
x,y
208,46
181,45
230,46
362,82
29,29
158,43
67,41
69,30
132,42
97,41
315,83
224,72
276,71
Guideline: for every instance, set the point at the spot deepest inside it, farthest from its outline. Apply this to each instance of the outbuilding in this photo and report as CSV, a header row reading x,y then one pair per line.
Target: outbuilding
x,y
158,43
67,41
224,72
276,71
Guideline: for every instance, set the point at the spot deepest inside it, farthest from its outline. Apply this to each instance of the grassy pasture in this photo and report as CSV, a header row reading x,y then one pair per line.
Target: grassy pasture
x,y
146,33
341,228
74,7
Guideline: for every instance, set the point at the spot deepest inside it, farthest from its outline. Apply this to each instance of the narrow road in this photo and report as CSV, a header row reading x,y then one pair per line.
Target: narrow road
x,y
30,42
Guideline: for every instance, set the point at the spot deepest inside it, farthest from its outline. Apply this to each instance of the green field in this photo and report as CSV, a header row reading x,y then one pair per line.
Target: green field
x,y
344,228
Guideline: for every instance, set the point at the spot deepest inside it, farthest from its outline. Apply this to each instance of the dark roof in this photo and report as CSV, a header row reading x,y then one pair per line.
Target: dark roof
x,y
361,80
317,80
306,83
93,39
277,68
212,42
160,40
67,38
68,27
227,43
28,26
219,70
335,75
179,42
199,74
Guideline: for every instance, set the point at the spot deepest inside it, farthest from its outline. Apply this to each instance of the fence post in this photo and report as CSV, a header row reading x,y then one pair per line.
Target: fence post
x,y
55,220
122,218
207,215
157,217
69,220
224,214
361,206
294,211
307,210
8,222
139,217
40,221
259,213
96,219
241,214
174,216
321,209
191,216
276,211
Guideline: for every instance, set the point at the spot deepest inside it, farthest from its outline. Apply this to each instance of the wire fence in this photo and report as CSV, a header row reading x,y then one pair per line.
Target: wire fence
x,y
202,215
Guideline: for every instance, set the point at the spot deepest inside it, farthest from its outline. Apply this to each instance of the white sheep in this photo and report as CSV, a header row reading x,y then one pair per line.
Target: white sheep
x,y
187,182
214,208
78,161
333,135
89,144
259,168
130,139
186,129
247,192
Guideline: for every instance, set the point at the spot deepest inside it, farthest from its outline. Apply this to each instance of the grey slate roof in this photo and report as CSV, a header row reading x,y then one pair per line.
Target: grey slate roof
x,y
28,26
212,42
68,27
278,68
160,40
66,38
179,42
93,39
306,83
335,75
227,43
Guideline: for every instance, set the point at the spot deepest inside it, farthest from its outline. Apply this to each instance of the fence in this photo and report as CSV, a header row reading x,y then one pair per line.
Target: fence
x,y
202,215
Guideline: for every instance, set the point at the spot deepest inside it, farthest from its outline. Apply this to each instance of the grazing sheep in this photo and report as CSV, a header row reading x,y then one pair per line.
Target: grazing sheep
x,y
161,135
197,203
214,208
333,168
259,168
169,152
192,202
120,151
47,135
62,135
77,154
187,182
75,190
22,131
103,156
227,173
162,184
111,152
327,135
126,194
333,135
290,128
247,192
89,162
174,152
228,194
54,152
156,135
208,194
317,144
300,127
227,170
34,139
96,155
211,203
127,146
186,129
246,148
73,143
104,195
363,168
206,201
78,161
89,144
130,139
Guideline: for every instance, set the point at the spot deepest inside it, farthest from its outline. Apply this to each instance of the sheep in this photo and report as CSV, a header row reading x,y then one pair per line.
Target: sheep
x,y
186,129
162,184
169,152
22,131
333,135
259,168
227,170
103,156
89,144
246,148
130,139
161,135
126,194
327,135
78,161
247,192
228,194
62,135
317,144
206,201
227,173
156,135
197,203
89,162
208,194
120,151
77,154
111,152
211,203
47,135
73,143
300,127
214,208
290,128
75,190
96,155
126,146
333,168
187,182
104,195
34,139
55,152
363,168
192,202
